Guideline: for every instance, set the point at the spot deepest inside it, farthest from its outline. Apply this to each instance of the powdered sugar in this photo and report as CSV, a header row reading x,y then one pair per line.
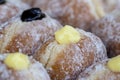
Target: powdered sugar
x,y
100,48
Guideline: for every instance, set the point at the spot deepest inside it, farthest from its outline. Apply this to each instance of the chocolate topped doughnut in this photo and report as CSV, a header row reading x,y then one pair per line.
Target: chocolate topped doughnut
x,y
26,36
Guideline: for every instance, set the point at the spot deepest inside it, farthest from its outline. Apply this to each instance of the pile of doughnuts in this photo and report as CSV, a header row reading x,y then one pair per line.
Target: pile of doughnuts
x,y
59,40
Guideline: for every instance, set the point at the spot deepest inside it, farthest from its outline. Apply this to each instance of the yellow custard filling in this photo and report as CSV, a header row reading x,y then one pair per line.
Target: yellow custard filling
x,y
67,35
17,61
114,64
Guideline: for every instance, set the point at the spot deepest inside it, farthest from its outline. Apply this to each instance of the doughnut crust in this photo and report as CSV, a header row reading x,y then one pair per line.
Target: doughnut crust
x,y
99,71
36,71
108,29
77,13
25,37
66,61
11,9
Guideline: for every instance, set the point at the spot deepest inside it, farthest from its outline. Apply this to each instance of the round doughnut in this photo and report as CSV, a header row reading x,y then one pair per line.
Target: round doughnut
x,y
35,71
101,70
66,61
108,29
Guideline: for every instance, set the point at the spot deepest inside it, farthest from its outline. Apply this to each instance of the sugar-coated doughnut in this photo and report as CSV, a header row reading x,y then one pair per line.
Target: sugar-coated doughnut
x,y
35,70
102,71
108,29
25,36
66,61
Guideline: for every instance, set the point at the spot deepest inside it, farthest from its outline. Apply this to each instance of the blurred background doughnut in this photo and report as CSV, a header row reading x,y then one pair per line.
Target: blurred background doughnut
x,y
108,29
110,5
77,13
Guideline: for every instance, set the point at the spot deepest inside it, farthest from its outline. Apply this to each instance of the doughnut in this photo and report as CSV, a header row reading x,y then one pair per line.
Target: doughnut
x,y
9,9
70,52
108,29
17,66
78,13
102,70
27,32
110,5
